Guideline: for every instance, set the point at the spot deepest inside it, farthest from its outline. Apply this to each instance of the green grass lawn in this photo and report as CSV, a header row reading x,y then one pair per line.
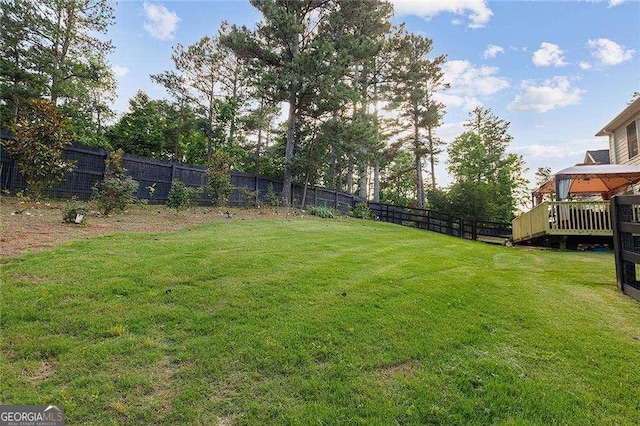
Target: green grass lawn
x,y
309,321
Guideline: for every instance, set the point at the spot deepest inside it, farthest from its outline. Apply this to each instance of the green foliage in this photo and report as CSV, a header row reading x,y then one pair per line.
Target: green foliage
x,y
56,49
488,180
273,199
114,194
181,196
117,190
140,130
75,212
219,174
438,200
415,80
298,58
398,186
248,197
41,136
361,211
322,211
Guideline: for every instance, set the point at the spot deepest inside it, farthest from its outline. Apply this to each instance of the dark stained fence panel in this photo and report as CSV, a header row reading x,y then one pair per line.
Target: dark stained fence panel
x,y
431,220
625,215
154,179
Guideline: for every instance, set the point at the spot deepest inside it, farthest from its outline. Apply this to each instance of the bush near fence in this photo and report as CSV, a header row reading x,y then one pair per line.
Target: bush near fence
x,y
155,176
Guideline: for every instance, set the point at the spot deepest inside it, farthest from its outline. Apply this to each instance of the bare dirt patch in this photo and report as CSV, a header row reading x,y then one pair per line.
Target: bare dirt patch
x,y
27,226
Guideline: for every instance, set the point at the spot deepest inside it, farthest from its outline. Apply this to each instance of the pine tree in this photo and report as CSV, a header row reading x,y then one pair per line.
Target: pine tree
x,y
414,81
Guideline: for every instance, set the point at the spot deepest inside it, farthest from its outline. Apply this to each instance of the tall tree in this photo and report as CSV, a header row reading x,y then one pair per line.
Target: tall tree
x,y
415,78
478,158
140,130
293,51
69,36
20,81
195,81
211,79
54,49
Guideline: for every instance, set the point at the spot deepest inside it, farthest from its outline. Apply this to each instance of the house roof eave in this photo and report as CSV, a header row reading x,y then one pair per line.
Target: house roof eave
x,y
621,119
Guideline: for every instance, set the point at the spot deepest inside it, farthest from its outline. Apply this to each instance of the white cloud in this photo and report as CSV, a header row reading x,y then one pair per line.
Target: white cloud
x,y
572,148
468,84
119,71
585,65
457,101
492,51
161,23
545,151
608,52
476,11
612,3
467,79
549,54
554,93
450,131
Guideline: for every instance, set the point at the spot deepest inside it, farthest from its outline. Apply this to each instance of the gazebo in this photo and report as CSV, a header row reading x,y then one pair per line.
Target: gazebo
x,y
604,180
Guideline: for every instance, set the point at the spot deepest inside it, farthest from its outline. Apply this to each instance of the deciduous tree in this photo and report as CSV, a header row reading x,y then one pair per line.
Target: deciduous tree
x,y
41,136
478,158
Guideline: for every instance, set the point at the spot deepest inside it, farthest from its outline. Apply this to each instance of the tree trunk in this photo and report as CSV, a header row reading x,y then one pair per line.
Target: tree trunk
x,y
350,178
258,150
234,96
419,178
363,181
376,183
332,168
288,154
432,159
419,183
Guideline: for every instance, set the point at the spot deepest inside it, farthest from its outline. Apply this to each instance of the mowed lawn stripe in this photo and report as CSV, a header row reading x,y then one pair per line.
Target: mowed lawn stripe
x,y
299,321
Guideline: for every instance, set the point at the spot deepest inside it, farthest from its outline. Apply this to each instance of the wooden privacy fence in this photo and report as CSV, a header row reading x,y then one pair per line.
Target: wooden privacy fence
x,y
431,220
154,179
625,212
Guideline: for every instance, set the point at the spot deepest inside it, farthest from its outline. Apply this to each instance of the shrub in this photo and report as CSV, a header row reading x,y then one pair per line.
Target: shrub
x,y
75,212
361,211
248,197
273,199
219,173
114,194
180,195
322,211
116,191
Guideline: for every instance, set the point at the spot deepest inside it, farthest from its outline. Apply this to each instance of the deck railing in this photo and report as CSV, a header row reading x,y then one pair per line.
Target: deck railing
x,y
564,218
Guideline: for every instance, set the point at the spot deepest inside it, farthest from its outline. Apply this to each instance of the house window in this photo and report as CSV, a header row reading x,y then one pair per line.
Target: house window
x,y
632,139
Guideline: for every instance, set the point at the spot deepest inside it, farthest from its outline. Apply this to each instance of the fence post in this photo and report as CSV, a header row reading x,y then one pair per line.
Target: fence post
x,y
617,242
450,225
474,230
336,201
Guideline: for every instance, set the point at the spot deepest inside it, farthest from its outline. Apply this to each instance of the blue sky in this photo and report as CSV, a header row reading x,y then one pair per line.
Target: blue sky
x,y
558,71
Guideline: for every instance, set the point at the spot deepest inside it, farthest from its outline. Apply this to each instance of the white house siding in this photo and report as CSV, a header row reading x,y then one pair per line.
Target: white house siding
x,y
621,152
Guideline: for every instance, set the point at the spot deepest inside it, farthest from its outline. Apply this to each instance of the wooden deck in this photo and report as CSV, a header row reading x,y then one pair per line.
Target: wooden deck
x,y
564,219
